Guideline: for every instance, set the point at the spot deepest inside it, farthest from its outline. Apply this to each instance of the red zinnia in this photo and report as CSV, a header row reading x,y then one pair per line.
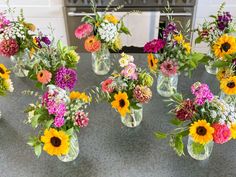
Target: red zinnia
x,y
8,47
186,111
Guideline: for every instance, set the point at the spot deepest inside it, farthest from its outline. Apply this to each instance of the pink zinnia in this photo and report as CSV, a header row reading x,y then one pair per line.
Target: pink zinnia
x,y
130,71
59,122
221,133
169,68
9,47
83,30
154,46
106,86
81,119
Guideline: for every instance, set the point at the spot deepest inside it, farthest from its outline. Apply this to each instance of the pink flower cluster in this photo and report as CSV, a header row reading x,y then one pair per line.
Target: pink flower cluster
x,y
221,133
130,71
202,93
154,46
3,21
83,31
81,119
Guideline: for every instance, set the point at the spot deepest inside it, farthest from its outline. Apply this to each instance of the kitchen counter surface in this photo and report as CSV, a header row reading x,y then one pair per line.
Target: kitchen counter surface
x,y
107,148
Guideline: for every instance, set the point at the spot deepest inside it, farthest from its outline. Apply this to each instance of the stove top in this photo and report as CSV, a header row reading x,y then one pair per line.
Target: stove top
x,y
132,3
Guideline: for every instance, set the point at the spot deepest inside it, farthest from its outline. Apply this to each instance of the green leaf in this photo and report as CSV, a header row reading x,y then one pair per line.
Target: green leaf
x,y
176,122
220,64
39,85
70,131
38,150
179,145
31,141
160,135
49,123
184,133
197,148
135,106
34,121
124,29
198,40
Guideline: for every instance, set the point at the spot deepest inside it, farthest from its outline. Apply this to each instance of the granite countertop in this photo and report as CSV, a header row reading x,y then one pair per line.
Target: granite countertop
x,y
107,148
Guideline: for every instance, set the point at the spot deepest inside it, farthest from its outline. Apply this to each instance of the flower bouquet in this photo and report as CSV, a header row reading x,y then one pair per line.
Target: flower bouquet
x,y
102,32
218,35
53,64
5,81
127,91
205,119
58,115
16,35
169,56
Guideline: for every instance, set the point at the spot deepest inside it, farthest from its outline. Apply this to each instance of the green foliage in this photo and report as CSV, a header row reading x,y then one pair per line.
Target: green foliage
x,y
176,142
197,148
160,135
176,122
36,144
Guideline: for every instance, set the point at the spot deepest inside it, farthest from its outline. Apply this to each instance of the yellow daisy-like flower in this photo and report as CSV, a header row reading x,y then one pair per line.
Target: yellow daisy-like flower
x,y
233,131
80,96
152,62
201,131
187,47
121,103
224,73
224,45
228,85
179,38
55,142
4,72
111,18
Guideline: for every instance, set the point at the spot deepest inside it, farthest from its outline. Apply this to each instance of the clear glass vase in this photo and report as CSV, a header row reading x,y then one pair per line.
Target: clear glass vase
x,y
19,66
210,68
198,151
166,85
101,62
230,99
73,151
134,118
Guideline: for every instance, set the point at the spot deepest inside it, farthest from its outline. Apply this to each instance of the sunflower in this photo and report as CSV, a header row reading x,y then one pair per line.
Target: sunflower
x,y
80,96
201,132
4,72
152,62
224,45
224,73
121,103
55,142
228,85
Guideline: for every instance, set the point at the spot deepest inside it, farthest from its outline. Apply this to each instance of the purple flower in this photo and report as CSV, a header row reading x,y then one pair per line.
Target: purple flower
x,y
130,71
43,39
224,20
202,93
170,28
66,78
154,46
3,21
59,122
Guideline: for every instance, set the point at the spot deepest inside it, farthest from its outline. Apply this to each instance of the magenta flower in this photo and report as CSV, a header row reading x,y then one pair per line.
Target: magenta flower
x,y
221,133
224,20
66,78
81,119
9,47
106,86
154,46
169,68
3,21
83,30
130,71
59,122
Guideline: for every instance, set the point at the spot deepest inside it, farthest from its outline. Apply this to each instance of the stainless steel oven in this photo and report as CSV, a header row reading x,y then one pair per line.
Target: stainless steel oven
x,y
75,10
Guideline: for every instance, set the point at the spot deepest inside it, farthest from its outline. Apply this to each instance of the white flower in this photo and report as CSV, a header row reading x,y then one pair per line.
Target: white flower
x,y
213,114
107,31
9,85
125,59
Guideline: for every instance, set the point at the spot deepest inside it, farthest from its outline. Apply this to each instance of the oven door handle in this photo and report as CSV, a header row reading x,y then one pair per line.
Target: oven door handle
x,y
176,14
74,14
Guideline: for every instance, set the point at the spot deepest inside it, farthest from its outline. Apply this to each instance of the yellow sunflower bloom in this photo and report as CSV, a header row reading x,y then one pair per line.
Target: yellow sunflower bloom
x,y
111,18
228,85
187,47
179,38
201,132
152,62
224,73
80,96
233,131
4,72
224,45
55,142
121,103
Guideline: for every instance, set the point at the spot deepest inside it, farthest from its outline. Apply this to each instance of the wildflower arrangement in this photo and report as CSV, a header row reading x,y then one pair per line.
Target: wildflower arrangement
x,y
217,34
205,118
128,89
5,81
171,54
102,30
58,114
53,64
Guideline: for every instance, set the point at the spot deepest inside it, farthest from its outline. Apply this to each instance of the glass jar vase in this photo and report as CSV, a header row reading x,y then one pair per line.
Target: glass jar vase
x,y
133,118
101,62
166,85
19,66
210,68
73,149
199,151
230,99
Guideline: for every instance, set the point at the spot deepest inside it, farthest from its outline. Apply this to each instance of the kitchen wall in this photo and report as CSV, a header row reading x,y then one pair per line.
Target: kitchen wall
x,y
45,12
42,13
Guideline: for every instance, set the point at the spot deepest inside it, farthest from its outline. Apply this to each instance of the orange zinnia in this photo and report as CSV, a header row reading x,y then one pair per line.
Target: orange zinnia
x,y
92,44
44,76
